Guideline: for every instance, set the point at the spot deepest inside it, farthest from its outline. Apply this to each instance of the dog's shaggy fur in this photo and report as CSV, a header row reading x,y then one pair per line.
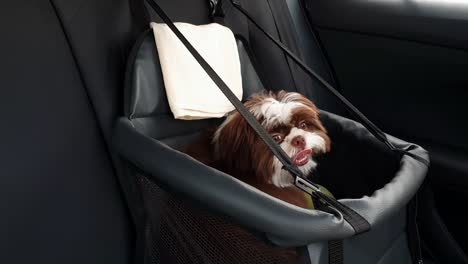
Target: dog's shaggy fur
x,y
234,147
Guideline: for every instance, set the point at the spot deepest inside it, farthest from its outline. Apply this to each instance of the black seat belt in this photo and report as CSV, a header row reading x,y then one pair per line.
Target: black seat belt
x,y
358,223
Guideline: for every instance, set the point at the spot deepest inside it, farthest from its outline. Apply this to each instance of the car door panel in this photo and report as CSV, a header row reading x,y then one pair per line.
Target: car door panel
x,y
441,22
404,63
408,88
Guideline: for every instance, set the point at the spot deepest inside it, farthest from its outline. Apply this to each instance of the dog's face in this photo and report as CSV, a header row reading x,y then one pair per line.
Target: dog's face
x,y
292,121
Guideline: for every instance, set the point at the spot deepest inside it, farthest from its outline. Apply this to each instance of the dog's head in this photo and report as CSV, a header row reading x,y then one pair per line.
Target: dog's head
x,y
292,121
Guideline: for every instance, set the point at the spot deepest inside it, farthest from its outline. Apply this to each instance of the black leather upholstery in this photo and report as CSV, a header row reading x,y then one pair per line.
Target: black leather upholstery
x,y
61,73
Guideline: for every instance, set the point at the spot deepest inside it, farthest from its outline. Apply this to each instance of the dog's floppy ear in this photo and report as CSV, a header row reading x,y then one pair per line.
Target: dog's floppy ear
x,y
232,143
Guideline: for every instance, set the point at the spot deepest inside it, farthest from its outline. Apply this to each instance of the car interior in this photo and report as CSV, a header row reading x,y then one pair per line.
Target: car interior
x,y
68,195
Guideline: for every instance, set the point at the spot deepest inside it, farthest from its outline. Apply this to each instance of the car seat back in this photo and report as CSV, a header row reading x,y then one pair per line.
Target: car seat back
x,y
61,72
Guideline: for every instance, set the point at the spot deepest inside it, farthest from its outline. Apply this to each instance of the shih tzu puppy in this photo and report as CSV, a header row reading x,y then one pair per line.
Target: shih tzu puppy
x,y
293,122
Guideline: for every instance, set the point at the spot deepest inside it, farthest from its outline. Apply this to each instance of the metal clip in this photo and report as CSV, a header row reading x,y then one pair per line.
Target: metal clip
x,y
306,186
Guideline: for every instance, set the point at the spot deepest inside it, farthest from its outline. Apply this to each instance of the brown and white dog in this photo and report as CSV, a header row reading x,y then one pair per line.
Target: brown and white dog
x,y
293,122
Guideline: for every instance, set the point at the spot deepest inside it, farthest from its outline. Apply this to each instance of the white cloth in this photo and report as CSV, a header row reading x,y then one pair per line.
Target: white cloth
x,y
190,91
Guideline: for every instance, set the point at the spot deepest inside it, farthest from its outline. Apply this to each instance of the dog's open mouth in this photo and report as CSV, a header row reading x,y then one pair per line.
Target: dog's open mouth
x,y
302,158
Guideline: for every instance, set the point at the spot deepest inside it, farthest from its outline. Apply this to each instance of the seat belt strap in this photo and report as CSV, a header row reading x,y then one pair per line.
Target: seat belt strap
x,y
358,222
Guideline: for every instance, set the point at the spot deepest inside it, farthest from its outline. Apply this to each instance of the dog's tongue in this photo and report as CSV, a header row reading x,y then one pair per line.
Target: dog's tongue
x,y
302,158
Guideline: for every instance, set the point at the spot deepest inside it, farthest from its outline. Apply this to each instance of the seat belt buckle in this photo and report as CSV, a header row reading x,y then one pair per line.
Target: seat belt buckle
x,y
306,186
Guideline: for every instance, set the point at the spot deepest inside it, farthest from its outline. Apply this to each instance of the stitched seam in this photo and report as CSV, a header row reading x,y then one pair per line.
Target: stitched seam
x,y
93,108
78,68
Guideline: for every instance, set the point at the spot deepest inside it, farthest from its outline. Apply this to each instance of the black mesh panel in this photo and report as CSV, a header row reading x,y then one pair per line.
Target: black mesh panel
x,y
181,233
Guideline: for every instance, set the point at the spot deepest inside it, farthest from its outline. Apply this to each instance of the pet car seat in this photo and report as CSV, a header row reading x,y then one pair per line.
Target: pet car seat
x,y
196,214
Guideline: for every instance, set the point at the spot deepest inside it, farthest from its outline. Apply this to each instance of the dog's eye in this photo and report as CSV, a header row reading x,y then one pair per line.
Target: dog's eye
x,y
277,138
302,125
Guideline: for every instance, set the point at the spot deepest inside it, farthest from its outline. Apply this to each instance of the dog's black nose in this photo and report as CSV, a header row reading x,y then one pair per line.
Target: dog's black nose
x,y
298,142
